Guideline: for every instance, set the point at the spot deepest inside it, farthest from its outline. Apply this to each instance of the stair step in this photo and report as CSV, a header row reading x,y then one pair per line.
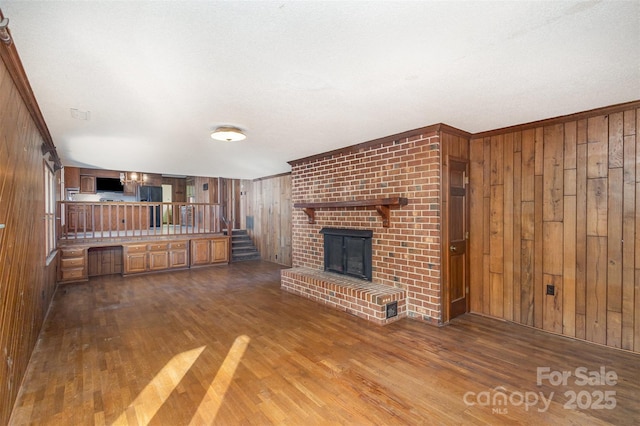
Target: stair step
x,y
242,247
241,243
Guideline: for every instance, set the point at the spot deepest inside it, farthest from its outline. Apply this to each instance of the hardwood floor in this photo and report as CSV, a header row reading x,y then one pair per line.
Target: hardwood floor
x,y
224,345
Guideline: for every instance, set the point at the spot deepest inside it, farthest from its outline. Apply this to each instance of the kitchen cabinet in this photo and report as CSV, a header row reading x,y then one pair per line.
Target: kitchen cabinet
x,y
79,218
73,264
220,250
71,177
207,251
158,256
178,254
200,252
129,188
87,184
135,258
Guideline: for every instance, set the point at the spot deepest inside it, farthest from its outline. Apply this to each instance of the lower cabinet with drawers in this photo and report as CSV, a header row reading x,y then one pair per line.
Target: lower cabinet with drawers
x,y
157,256
148,256
73,264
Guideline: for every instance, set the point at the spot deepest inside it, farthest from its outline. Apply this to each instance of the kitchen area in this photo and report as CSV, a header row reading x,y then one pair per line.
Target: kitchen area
x,y
114,222
97,189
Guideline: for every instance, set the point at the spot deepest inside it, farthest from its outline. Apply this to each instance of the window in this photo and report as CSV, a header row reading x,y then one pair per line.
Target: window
x,y
49,209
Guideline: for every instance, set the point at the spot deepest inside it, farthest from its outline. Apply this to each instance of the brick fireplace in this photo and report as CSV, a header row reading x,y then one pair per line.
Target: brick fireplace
x,y
406,243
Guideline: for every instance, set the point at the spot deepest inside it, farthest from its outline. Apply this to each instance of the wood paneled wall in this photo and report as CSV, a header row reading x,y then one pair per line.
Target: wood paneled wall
x,y
27,283
557,203
208,195
269,210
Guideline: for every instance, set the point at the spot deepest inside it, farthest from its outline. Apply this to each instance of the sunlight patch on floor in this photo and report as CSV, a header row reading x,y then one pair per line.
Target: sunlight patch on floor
x,y
212,400
149,401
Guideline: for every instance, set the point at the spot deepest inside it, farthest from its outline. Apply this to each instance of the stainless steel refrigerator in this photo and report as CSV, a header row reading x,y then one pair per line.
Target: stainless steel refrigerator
x,y
152,194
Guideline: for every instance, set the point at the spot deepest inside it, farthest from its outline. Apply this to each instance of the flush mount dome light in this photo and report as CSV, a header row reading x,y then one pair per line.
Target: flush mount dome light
x,y
228,134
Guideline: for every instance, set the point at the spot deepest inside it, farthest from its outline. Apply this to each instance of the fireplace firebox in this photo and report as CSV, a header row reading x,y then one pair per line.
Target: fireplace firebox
x,y
348,252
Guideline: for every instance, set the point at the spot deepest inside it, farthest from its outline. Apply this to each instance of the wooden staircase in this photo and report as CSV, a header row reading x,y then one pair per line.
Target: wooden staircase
x,y
242,247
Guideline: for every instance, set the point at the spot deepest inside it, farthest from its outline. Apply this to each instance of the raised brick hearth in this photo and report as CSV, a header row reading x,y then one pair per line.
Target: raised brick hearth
x,y
358,297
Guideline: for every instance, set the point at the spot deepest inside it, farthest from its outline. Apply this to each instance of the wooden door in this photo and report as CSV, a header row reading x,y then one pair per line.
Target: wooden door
x,y
178,258
135,262
220,250
457,245
200,252
158,260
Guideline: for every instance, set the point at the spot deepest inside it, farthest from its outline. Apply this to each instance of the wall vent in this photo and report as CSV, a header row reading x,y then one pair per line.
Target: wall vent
x,y
392,309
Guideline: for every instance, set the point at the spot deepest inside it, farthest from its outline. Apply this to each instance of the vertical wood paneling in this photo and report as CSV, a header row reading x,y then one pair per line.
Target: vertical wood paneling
x,y
517,229
27,282
553,173
538,245
486,289
508,227
563,210
581,228
552,237
636,307
496,248
628,229
486,146
616,134
496,229
552,275
528,164
597,204
569,231
476,183
614,258
596,312
269,208
569,267
597,162
539,151
552,318
527,287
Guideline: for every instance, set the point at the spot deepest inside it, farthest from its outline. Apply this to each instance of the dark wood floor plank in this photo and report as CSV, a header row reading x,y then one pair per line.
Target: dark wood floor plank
x,y
107,340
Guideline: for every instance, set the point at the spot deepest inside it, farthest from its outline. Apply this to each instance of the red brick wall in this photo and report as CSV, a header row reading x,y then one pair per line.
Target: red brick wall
x,y
407,253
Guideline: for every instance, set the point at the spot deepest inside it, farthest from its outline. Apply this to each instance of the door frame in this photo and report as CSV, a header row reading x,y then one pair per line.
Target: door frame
x,y
445,239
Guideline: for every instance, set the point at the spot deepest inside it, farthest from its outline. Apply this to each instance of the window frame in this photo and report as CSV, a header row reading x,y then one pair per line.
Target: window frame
x,y
49,218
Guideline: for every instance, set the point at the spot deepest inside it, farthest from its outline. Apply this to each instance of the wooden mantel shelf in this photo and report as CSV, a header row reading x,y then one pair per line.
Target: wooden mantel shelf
x,y
382,205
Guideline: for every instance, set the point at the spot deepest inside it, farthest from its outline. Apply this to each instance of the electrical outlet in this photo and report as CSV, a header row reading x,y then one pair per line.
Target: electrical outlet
x,y
551,290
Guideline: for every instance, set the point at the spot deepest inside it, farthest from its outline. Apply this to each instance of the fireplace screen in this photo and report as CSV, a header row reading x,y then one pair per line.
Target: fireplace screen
x,y
348,252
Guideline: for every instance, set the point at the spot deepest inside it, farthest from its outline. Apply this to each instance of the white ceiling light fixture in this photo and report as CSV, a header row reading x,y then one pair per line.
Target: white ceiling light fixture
x,y
228,134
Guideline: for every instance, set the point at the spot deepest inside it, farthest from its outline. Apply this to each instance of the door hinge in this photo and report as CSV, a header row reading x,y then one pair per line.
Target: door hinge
x,y
466,179
466,235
